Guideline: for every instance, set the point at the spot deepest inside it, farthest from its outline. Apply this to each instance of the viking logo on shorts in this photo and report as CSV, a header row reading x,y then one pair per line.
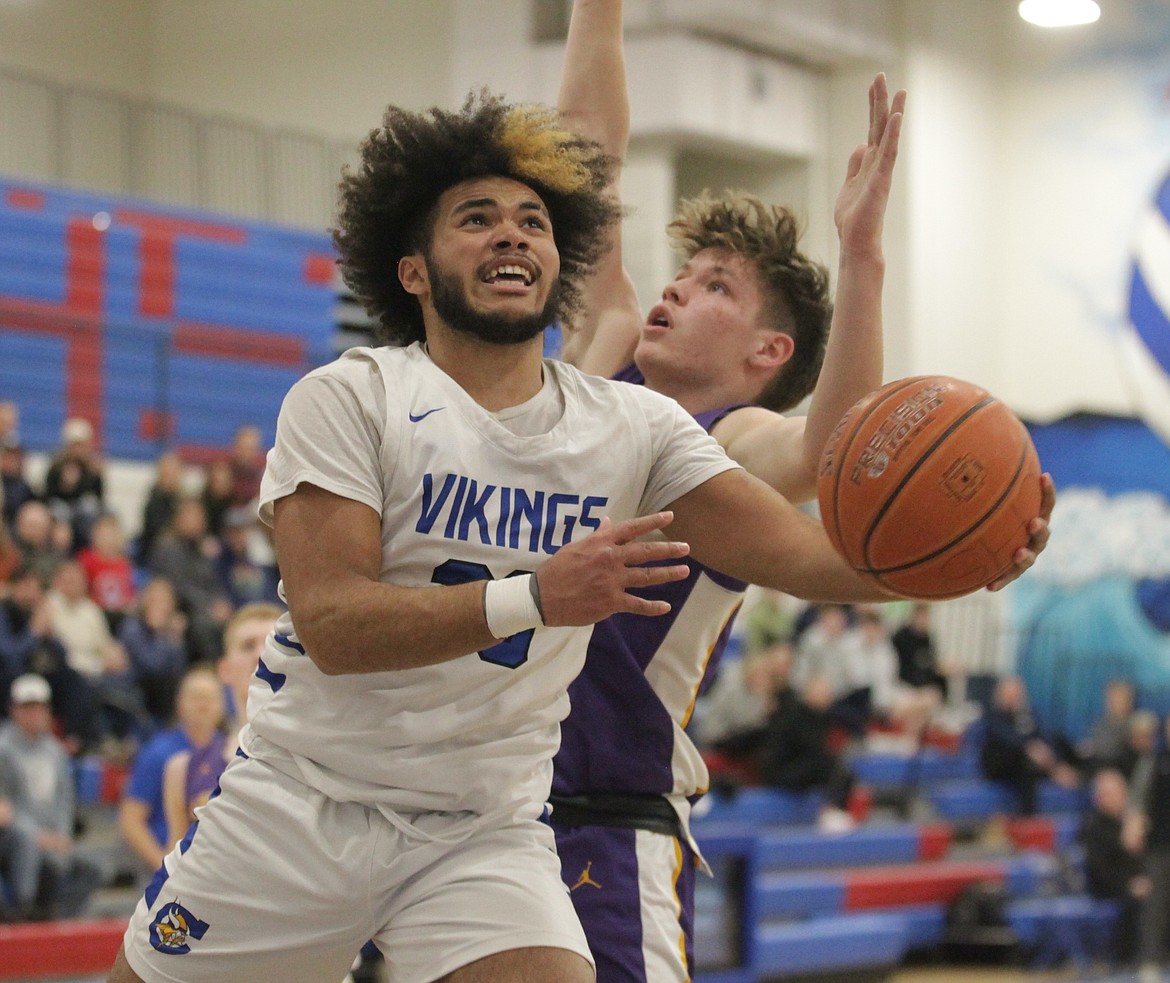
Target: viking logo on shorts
x,y
173,927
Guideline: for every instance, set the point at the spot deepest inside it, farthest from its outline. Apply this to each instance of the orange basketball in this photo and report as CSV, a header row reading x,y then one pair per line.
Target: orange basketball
x,y
927,485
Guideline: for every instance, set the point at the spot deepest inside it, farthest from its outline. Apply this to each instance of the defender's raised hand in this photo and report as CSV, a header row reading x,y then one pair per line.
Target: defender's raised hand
x,y
861,203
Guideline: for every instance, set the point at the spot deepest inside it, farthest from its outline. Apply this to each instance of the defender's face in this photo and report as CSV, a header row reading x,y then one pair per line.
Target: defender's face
x,y
493,238
710,317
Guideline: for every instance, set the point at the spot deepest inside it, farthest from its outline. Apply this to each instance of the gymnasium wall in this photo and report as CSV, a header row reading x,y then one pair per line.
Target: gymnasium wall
x,y
1028,159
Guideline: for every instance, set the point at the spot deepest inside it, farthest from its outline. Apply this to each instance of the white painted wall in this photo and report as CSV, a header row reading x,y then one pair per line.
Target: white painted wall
x,y
1031,156
1089,141
953,170
329,67
316,65
104,44
1028,157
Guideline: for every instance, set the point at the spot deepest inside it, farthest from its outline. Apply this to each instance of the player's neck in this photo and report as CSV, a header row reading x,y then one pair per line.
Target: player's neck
x,y
699,397
495,376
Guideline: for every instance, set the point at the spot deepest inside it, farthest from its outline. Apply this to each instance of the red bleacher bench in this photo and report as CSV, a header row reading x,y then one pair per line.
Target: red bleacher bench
x,y
49,950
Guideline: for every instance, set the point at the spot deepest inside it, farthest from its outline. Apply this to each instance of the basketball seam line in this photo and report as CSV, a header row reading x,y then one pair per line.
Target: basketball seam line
x,y
982,519
848,445
922,459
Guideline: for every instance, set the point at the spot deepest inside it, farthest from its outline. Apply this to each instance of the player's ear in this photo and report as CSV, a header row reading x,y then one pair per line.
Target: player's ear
x,y
412,274
773,349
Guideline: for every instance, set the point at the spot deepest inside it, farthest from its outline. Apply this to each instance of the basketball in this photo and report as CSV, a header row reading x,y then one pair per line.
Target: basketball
x,y
927,486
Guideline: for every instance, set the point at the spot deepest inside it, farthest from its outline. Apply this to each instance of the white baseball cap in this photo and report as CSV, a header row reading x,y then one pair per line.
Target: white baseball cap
x,y
76,429
30,688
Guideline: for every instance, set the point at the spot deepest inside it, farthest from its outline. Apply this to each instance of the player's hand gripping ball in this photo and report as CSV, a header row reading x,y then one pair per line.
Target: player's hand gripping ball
x,y
928,485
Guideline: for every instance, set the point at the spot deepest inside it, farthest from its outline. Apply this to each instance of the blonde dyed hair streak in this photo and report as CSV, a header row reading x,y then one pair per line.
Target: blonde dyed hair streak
x,y
543,152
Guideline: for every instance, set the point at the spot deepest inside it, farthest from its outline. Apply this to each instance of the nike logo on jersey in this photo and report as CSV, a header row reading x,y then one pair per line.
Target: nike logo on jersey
x,y
423,416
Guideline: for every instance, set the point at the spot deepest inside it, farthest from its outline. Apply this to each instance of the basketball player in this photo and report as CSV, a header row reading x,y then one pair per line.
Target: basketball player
x,y
451,517
738,336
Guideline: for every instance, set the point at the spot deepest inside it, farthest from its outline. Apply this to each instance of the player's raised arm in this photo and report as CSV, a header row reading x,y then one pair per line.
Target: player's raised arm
x,y
738,525
853,359
785,451
594,103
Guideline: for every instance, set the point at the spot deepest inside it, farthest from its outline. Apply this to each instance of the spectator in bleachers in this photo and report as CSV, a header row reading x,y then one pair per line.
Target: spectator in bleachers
x,y
243,579
807,615
796,754
1014,753
736,708
185,554
153,636
892,702
27,644
73,483
32,532
218,495
162,502
1141,746
918,662
767,618
14,485
93,652
10,557
18,854
199,710
108,567
1150,795
62,540
247,465
24,625
9,422
830,650
189,778
1114,862
81,625
1107,742
36,777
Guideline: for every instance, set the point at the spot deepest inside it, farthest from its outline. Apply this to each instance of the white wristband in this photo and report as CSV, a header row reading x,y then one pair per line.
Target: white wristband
x,y
510,607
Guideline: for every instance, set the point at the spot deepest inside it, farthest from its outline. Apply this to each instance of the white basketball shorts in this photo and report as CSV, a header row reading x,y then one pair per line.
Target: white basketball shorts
x,y
279,882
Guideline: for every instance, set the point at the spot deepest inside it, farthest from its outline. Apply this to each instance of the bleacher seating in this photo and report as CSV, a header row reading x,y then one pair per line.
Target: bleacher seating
x,y
758,806
49,950
830,903
1075,927
979,799
882,770
155,324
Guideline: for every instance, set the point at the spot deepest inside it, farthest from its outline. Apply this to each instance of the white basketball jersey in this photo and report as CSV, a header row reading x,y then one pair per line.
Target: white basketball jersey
x,y
462,498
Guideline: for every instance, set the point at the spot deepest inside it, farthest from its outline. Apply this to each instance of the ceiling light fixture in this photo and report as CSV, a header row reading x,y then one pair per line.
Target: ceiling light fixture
x,y
1059,13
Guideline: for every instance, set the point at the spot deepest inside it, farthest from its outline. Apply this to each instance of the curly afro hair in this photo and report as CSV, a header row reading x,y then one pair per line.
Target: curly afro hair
x,y
386,209
797,287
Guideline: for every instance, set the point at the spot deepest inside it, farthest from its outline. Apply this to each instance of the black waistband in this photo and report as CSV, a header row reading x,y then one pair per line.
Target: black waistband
x,y
649,812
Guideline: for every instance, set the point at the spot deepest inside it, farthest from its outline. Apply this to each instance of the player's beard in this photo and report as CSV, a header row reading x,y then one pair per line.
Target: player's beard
x,y
451,304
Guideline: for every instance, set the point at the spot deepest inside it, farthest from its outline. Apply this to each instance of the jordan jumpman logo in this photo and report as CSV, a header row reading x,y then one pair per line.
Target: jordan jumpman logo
x,y
585,879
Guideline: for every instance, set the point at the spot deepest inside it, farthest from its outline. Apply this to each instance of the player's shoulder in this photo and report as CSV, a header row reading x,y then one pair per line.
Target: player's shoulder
x,y
616,392
362,362
739,420
358,373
